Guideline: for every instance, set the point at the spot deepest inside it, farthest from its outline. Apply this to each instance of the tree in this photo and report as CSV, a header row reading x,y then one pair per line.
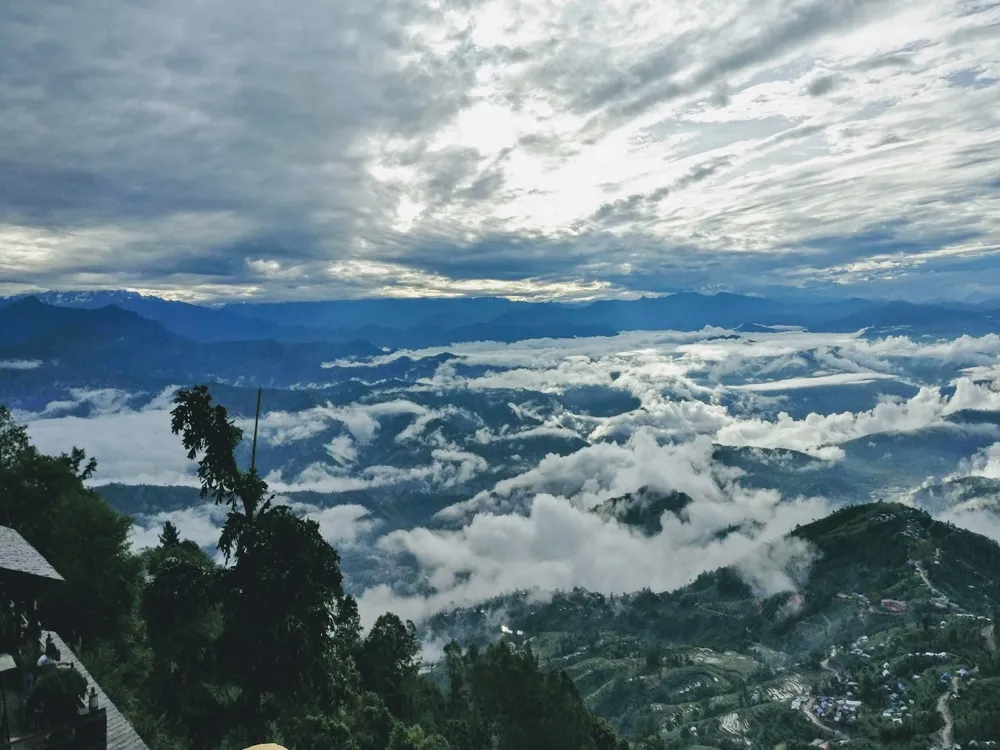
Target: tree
x,y
279,604
281,597
183,624
386,660
169,537
654,656
207,431
416,738
200,656
46,501
509,703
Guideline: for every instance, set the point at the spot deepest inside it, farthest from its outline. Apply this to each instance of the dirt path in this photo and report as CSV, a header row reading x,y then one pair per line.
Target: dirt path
x,y
945,711
825,664
713,611
990,635
927,581
807,707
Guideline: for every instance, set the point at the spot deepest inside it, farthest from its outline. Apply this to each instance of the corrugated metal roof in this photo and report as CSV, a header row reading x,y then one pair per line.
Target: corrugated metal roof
x,y
121,735
17,555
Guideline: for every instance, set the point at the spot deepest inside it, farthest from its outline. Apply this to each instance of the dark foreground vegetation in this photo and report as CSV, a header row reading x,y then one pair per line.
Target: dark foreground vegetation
x,y
268,647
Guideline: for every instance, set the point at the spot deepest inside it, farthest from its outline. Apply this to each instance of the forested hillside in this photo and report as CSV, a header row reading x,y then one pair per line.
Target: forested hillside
x,y
892,601
268,647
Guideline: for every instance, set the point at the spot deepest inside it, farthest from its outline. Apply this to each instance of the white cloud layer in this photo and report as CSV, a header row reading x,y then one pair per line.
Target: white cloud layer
x,y
557,543
20,364
683,394
343,526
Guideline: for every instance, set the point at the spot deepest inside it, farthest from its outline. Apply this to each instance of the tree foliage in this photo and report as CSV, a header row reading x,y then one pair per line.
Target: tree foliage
x,y
270,646
44,498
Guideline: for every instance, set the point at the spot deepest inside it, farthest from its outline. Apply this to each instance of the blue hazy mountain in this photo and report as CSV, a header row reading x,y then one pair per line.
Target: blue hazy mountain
x,y
381,313
394,323
415,323
103,345
924,318
194,322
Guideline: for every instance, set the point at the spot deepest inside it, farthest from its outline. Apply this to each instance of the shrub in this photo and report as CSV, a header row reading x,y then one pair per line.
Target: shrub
x,y
57,697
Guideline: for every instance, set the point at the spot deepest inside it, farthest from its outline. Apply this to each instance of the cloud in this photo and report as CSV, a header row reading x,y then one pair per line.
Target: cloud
x,y
360,420
985,463
448,468
537,530
200,523
777,567
131,445
501,147
680,386
685,384
929,407
20,364
975,519
604,470
343,526
843,378
558,545
493,542
503,430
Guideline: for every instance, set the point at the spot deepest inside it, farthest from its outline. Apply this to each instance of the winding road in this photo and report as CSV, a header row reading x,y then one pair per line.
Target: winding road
x,y
945,711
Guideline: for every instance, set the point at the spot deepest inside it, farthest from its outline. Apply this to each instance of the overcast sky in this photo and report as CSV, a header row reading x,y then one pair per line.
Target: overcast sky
x,y
533,149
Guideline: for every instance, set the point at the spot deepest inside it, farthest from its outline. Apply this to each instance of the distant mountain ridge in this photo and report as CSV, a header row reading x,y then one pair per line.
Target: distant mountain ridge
x,y
425,322
93,345
394,323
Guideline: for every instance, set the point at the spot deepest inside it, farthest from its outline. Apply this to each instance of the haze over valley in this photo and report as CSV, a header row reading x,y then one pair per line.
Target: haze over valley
x,y
450,474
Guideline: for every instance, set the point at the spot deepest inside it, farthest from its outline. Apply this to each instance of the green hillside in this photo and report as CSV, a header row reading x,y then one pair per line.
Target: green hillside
x,y
712,661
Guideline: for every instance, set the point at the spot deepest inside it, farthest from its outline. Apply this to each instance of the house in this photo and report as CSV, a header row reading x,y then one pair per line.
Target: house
x,y
24,575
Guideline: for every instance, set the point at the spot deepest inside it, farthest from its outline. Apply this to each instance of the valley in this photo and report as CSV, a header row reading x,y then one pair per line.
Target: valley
x,y
723,538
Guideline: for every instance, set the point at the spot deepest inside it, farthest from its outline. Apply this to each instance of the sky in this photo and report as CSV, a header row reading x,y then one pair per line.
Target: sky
x,y
200,150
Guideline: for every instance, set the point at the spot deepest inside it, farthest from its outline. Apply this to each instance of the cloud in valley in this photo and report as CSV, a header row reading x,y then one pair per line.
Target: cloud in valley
x,y
558,545
131,445
495,448
343,526
986,463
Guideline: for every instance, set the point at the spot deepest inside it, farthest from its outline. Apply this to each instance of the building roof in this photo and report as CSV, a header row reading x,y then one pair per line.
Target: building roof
x,y
121,735
17,555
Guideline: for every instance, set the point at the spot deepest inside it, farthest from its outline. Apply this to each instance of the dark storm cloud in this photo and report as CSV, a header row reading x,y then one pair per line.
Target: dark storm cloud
x,y
116,110
822,85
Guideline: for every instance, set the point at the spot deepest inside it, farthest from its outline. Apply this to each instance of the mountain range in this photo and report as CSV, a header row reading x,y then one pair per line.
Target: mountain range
x,y
419,323
104,345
